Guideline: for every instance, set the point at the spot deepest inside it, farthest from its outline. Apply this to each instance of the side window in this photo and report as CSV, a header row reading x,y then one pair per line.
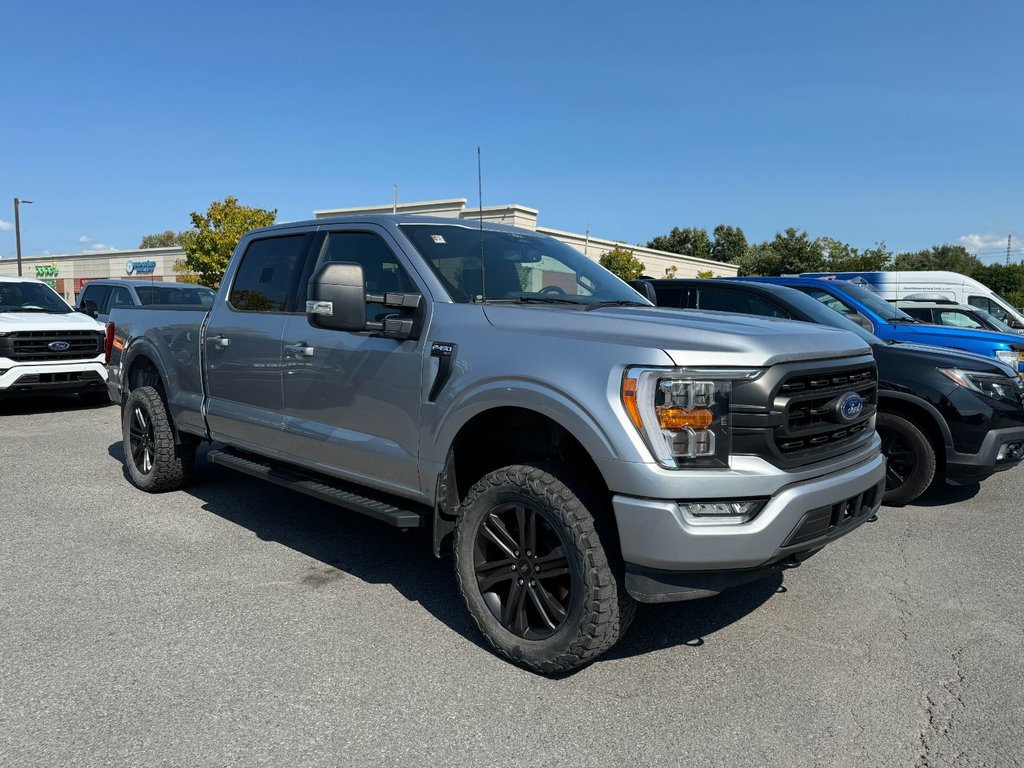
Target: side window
x,y
120,297
829,300
919,313
381,270
959,319
267,274
670,296
96,293
983,302
728,300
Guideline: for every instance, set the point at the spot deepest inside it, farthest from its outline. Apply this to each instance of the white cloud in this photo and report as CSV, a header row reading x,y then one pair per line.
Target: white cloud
x,y
990,243
100,247
85,239
5,225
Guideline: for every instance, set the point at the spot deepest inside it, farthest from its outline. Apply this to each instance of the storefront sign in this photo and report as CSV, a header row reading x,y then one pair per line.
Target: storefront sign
x,y
48,272
140,267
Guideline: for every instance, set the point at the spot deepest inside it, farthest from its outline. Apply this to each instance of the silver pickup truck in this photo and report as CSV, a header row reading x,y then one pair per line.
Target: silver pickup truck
x,y
575,448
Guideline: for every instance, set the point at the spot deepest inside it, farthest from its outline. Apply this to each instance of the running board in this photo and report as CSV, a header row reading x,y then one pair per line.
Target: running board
x,y
357,499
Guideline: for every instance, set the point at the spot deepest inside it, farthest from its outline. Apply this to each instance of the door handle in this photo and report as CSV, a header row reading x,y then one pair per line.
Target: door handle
x,y
219,341
300,349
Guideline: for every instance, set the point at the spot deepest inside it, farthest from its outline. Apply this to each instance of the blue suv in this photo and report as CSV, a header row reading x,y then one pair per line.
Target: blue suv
x,y
890,323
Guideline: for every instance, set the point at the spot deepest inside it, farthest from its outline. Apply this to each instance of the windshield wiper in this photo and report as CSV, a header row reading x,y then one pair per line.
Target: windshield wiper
x,y
617,303
529,300
33,309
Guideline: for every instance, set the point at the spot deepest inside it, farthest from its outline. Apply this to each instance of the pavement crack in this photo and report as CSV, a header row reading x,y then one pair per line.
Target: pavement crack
x,y
942,711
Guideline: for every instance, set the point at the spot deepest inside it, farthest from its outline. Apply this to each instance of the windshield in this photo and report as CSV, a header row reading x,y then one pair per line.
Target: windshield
x,y
872,301
31,297
996,323
190,295
515,267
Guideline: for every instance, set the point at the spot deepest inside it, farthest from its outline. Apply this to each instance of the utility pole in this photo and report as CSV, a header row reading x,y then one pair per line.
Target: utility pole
x,y
394,198
1009,239
17,228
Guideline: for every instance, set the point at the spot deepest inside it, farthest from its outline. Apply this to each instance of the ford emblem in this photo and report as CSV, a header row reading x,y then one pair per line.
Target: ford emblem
x,y
850,406
58,346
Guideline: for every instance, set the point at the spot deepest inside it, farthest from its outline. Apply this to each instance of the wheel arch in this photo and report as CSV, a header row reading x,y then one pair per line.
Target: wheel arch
x,y
925,415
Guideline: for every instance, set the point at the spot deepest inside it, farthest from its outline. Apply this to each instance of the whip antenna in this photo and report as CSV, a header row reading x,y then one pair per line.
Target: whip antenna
x,y
480,204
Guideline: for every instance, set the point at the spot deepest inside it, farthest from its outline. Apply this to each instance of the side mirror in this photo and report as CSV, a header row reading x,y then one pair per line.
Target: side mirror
x,y
89,307
336,297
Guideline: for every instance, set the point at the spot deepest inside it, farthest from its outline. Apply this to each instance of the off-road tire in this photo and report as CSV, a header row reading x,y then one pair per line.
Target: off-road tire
x,y
599,609
910,437
172,458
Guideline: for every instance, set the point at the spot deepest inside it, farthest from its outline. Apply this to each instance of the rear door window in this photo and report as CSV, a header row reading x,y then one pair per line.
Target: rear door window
x,y
120,297
720,299
268,273
670,296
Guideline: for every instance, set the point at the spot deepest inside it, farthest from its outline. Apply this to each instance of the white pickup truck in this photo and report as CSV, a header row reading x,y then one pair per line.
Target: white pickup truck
x,y
45,346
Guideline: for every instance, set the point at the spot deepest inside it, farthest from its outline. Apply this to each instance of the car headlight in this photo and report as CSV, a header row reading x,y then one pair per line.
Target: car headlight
x,y
998,386
683,413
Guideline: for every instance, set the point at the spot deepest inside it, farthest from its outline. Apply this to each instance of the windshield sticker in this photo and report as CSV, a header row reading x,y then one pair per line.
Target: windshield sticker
x,y
437,239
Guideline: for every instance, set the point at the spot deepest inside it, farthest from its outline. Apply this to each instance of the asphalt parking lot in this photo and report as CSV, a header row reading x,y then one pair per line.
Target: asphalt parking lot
x,y
240,624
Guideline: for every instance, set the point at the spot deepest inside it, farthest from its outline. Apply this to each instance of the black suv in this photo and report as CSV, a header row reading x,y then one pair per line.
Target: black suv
x,y
942,413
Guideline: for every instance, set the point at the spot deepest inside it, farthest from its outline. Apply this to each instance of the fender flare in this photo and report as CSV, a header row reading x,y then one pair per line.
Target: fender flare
x,y
924,405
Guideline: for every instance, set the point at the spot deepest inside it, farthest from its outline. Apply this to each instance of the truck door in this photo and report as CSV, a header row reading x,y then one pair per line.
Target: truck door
x,y
243,343
352,400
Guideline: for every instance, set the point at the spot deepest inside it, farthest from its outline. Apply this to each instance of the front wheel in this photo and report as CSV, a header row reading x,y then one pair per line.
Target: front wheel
x,y
533,572
910,459
157,459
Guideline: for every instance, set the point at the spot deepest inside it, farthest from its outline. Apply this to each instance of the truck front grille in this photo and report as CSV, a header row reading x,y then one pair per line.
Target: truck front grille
x,y
42,346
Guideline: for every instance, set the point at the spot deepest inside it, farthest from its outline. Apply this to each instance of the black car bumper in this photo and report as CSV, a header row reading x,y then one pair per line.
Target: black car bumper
x,y
963,468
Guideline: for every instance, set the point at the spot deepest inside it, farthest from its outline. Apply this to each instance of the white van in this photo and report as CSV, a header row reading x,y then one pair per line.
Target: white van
x,y
894,286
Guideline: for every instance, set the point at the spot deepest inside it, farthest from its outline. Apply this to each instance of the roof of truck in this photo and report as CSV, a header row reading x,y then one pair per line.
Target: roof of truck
x,y
399,219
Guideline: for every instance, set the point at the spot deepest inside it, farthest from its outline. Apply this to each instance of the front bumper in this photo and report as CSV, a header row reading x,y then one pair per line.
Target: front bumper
x,y
42,378
975,467
799,519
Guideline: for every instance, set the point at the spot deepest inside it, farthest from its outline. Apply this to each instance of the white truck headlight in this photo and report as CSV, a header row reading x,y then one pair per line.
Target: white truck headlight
x,y
683,413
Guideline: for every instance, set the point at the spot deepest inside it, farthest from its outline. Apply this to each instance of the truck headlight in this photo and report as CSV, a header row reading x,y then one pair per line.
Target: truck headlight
x,y
998,386
683,413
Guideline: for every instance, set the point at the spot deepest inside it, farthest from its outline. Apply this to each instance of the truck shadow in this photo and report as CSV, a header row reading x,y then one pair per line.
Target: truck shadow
x,y
55,403
375,553
942,494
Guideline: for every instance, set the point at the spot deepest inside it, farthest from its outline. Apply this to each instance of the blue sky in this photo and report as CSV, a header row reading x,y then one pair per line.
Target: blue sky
x,y
862,121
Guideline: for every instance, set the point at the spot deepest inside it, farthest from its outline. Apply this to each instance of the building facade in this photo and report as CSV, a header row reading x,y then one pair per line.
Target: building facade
x,y
66,273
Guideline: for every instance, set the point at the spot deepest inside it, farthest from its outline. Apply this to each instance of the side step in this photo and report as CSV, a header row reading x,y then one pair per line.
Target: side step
x,y
379,506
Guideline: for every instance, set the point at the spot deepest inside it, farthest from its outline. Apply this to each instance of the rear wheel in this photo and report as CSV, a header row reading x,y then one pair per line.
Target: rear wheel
x,y
534,573
910,459
157,459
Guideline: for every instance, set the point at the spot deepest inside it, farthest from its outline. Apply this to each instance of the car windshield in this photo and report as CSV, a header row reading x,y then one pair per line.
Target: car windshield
x,y
872,301
31,297
497,266
993,320
190,295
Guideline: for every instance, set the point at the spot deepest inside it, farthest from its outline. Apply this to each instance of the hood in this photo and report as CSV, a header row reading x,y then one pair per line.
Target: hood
x,y
688,336
41,321
935,357
925,333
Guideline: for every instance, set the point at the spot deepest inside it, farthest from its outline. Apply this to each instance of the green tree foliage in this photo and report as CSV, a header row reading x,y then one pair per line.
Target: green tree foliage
x,y
623,263
729,244
208,247
790,253
842,257
954,258
690,241
705,274
166,239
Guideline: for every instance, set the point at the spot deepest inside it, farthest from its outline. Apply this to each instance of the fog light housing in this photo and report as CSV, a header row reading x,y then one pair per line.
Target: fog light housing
x,y
1011,451
721,512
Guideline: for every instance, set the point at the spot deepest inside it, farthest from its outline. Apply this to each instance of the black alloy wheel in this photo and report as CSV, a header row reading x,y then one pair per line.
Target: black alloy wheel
x,y
900,459
910,458
522,571
141,439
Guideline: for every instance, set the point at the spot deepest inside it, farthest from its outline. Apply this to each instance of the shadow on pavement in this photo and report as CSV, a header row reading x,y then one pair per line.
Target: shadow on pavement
x,y
378,554
20,406
940,495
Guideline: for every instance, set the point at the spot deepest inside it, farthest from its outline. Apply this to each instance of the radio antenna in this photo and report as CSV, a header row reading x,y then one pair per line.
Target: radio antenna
x,y
480,204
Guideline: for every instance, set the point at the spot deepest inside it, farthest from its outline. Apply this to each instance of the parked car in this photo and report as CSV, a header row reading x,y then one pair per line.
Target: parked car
x,y
99,297
890,323
943,414
948,312
950,285
575,448
45,346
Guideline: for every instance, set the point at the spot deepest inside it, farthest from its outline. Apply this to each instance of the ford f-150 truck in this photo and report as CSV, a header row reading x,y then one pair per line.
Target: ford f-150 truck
x,y
47,347
573,446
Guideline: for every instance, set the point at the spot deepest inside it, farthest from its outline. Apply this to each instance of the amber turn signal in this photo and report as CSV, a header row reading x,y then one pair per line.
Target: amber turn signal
x,y
629,400
678,418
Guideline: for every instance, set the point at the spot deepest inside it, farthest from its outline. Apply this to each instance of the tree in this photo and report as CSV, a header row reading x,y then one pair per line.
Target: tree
x,y
166,239
705,274
691,241
790,253
729,245
954,258
623,263
208,247
842,257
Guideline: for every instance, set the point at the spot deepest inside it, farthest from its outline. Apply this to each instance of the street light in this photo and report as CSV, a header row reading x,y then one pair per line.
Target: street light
x,y
17,228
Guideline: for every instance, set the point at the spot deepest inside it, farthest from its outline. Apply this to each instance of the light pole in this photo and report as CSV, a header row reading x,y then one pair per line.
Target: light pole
x,y
17,228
